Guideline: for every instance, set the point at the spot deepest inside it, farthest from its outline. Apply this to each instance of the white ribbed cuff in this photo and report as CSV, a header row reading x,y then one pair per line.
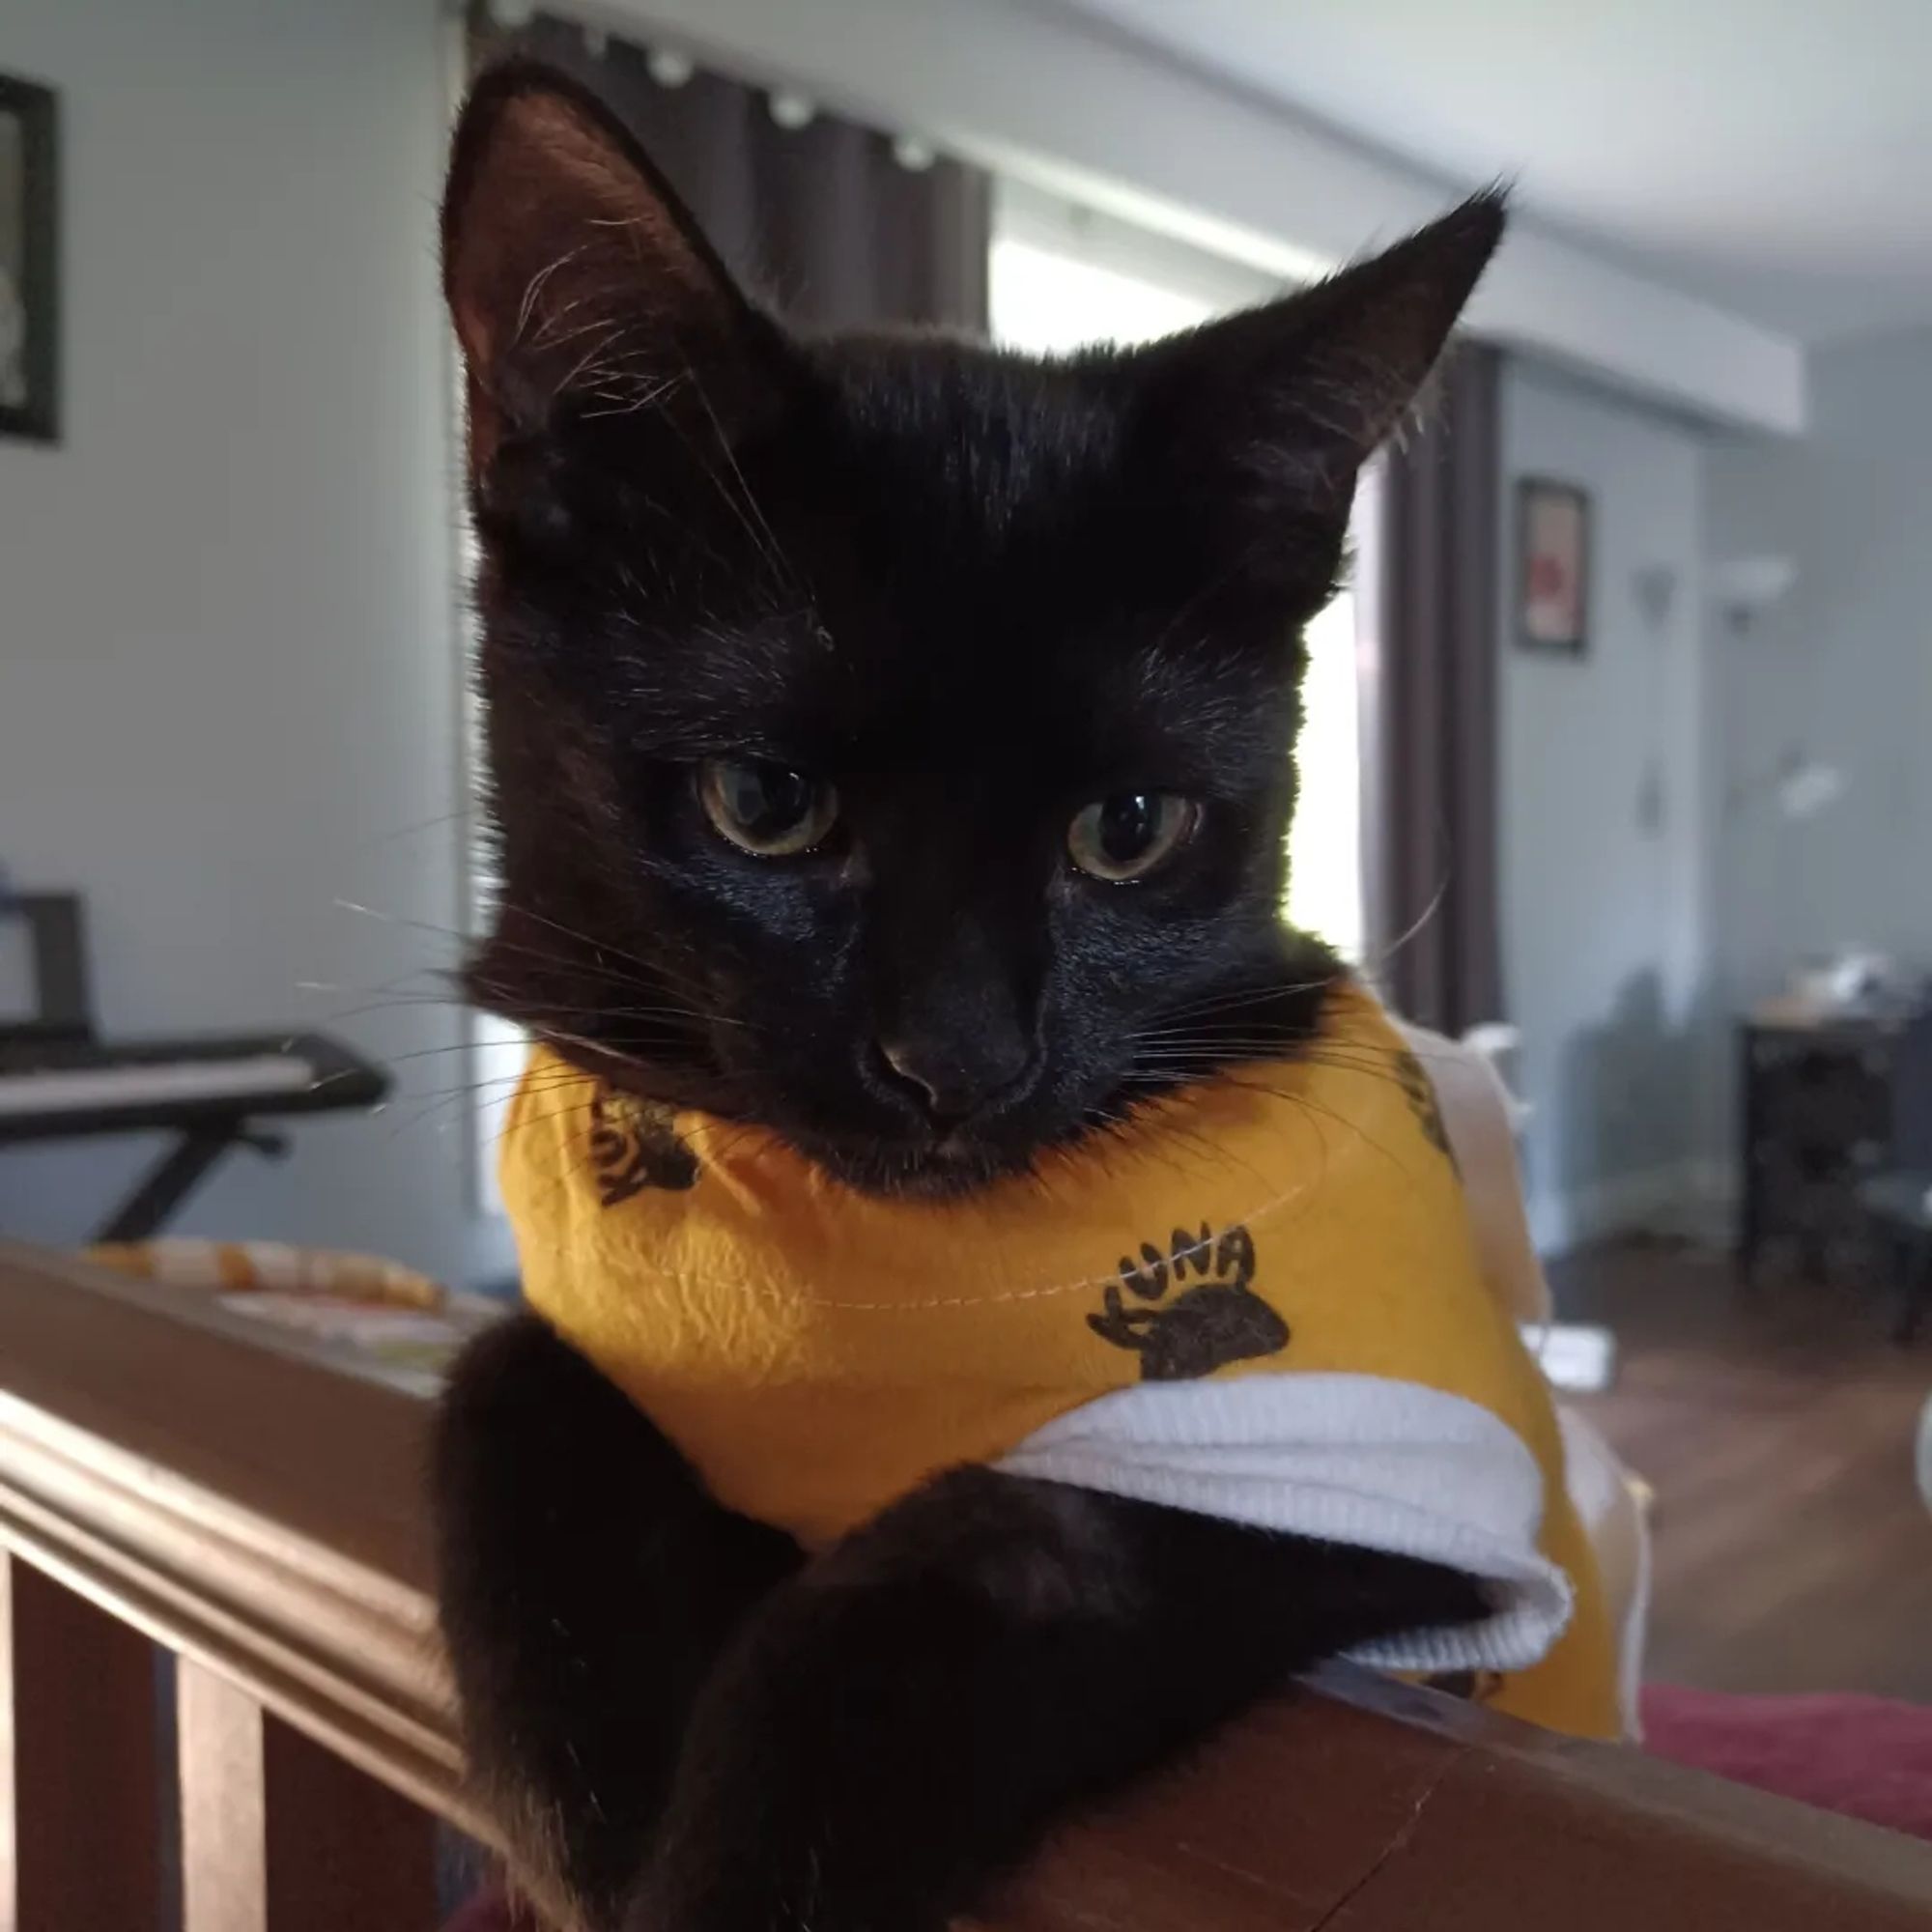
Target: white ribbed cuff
x,y
1358,1460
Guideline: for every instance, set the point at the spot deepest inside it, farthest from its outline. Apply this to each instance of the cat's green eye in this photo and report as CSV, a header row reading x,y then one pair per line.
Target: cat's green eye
x,y
766,809
1125,837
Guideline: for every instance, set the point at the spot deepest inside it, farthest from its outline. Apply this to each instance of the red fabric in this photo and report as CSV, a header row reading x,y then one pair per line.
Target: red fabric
x,y
490,1912
1866,1757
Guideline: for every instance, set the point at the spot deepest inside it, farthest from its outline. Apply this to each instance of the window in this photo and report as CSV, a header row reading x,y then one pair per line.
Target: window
x,y
1050,303
1324,842
1063,278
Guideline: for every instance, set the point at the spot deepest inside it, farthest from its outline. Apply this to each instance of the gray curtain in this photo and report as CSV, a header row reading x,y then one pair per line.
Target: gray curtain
x,y
1430,718
825,222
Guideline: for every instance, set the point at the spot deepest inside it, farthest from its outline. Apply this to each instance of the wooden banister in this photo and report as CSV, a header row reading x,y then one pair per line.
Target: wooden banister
x,y
172,1476
244,1504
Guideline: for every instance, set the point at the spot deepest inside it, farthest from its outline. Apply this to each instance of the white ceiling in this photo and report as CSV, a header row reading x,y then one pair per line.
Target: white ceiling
x,y
1774,155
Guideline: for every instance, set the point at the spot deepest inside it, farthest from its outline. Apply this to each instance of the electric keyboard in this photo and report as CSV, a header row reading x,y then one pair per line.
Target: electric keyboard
x,y
212,1095
161,1082
53,1088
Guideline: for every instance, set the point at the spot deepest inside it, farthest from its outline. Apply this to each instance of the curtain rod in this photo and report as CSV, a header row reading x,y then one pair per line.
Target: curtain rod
x,y
789,107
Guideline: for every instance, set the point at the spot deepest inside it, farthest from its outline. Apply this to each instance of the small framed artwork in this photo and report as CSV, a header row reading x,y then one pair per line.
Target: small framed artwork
x,y
29,262
1553,563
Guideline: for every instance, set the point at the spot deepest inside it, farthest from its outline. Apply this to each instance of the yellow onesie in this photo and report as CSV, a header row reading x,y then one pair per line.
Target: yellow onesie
x,y
1262,1301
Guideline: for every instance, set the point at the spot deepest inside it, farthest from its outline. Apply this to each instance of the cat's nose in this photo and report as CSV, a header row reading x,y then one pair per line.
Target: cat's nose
x,y
949,1079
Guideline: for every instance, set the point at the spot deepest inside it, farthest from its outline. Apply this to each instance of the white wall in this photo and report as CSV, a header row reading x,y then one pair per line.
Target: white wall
x,y
1606,934
228,693
228,679
1051,97
1840,670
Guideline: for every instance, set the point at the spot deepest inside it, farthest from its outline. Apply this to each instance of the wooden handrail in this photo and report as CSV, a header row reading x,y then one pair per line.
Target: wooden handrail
x,y
251,1506
258,1510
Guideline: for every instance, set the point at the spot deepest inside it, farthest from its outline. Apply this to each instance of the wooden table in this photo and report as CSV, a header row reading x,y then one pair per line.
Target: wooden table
x,y
1827,1102
1900,1205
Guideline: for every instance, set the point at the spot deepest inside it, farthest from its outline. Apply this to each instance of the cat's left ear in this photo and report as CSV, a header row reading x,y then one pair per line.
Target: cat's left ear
x,y
1266,417
577,279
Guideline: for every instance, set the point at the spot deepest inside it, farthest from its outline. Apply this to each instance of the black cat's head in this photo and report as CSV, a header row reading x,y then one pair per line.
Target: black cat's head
x,y
890,739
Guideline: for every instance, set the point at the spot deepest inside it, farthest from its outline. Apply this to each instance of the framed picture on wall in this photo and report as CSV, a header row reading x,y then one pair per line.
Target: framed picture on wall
x,y
29,262
1552,566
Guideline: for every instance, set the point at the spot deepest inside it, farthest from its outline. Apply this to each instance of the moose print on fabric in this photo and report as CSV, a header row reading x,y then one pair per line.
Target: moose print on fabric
x,y
633,1146
1419,1091
1197,1309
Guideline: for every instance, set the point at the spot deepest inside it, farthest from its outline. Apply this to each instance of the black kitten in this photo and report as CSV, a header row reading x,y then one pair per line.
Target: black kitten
x,y
891,745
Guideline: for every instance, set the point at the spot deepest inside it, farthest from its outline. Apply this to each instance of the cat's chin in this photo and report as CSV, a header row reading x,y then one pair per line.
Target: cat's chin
x,y
941,1171
930,1170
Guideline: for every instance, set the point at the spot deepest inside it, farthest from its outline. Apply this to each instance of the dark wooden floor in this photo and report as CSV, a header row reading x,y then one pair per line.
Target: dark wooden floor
x,y
1793,1551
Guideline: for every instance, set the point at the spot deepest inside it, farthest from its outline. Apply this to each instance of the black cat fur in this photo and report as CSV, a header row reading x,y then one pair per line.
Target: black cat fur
x,y
974,591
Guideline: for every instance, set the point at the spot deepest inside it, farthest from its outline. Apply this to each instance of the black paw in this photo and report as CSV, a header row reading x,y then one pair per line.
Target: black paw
x,y
1436,1598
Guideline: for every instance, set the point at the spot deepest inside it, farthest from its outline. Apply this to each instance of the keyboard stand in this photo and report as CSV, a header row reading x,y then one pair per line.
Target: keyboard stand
x,y
179,1171
204,1130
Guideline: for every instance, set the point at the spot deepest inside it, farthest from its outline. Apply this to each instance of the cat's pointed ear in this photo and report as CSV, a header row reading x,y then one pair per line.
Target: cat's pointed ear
x,y
575,276
1271,413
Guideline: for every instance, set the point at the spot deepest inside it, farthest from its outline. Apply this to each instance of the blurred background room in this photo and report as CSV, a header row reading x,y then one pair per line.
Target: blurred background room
x,y
1617,746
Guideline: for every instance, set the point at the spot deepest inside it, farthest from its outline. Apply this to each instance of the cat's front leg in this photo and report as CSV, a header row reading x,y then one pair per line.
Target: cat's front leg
x,y
902,1723
587,1584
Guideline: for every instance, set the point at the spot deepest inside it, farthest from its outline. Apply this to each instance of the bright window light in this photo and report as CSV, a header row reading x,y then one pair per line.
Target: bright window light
x,y
1059,284
1325,842
1051,303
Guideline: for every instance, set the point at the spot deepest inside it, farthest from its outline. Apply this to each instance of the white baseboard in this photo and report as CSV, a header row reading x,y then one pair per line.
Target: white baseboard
x,y
1688,1198
1711,1205
1713,1181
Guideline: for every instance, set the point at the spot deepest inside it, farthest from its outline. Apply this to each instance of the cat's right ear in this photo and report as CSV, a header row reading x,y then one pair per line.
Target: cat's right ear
x,y
578,281
1263,421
